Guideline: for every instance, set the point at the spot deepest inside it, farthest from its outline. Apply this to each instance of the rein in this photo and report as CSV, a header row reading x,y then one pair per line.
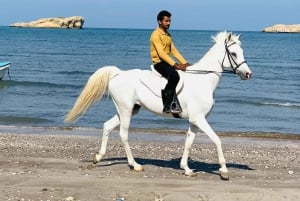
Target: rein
x,y
207,71
231,61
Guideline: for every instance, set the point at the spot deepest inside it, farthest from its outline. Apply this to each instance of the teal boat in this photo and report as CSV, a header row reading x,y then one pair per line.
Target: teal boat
x,y
4,66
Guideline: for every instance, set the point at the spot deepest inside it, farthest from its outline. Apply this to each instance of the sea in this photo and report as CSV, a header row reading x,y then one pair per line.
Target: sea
x,y
49,68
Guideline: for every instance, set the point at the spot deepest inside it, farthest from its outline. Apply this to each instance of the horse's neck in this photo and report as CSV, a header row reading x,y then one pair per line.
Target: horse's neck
x,y
210,62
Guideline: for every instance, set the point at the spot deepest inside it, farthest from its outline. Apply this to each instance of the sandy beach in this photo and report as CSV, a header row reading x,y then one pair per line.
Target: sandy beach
x,y
58,167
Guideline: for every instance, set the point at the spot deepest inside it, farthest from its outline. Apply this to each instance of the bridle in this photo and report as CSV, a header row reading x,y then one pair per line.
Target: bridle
x,y
233,64
231,60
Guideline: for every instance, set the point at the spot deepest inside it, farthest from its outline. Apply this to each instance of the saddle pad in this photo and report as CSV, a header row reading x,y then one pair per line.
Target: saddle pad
x,y
155,82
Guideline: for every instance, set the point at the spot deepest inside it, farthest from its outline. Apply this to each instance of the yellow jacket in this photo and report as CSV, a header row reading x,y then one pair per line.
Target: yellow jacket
x,y
161,48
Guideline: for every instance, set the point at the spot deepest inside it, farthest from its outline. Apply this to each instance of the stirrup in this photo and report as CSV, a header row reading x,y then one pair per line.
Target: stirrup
x,y
170,102
175,107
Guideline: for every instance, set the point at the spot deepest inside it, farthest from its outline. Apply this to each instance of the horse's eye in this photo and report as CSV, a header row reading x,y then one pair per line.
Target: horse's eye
x,y
233,54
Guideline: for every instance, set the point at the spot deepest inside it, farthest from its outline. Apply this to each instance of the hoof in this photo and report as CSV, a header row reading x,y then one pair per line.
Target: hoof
x,y
91,166
190,174
95,160
138,168
224,176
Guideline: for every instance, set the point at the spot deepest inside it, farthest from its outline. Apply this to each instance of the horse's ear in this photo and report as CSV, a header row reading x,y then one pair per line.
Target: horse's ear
x,y
229,37
239,36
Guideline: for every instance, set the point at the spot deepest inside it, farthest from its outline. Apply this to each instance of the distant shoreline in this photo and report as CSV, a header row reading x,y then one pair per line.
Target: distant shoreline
x,y
91,131
149,29
124,28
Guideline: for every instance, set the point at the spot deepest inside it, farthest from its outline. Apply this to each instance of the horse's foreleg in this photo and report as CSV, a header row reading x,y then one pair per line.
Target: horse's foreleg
x,y
124,127
188,144
108,127
205,127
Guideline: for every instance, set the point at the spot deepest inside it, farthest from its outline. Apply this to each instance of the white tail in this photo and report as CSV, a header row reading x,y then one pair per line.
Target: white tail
x,y
92,92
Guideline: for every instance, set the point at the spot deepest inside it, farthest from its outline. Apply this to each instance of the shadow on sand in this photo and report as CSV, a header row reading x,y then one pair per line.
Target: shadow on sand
x,y
212,168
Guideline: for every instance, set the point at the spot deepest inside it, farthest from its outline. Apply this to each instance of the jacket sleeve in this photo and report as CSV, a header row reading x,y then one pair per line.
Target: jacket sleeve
x,y
160,51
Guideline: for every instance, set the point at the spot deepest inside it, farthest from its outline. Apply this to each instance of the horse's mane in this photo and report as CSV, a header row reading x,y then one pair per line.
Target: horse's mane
x,y
226,36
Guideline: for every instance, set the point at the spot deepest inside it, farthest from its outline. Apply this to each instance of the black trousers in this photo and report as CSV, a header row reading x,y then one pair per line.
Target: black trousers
x,y
170,73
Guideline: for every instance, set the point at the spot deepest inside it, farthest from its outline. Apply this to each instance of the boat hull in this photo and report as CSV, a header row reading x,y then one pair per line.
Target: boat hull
x,y
4,66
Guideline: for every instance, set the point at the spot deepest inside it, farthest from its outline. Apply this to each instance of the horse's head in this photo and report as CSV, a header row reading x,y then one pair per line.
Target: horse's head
x,y
233,54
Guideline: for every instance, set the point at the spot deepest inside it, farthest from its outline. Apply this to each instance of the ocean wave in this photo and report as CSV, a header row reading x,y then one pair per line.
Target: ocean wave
x,y
21,120
11,83
258,102
75,72
58,53
285,104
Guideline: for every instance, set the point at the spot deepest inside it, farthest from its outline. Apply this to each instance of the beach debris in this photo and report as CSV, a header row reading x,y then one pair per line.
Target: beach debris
x,y
69,198
159,197
291,172
120,199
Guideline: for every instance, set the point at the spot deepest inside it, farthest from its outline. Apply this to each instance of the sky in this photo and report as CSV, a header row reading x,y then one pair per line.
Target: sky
x,y
231,15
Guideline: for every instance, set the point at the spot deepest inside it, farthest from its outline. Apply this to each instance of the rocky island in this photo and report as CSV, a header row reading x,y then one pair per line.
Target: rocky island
x,y
282,28
74,22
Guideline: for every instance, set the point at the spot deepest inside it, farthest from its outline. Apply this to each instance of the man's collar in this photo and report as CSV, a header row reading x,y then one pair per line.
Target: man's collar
x,y
162,31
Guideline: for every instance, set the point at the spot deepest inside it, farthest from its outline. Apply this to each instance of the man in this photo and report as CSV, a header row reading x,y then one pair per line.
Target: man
x,y
161,48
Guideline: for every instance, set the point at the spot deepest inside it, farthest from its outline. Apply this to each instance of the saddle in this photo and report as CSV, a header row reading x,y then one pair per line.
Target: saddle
x,y
155,82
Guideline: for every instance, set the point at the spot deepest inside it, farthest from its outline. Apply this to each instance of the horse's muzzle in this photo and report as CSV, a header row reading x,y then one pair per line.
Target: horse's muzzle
x,y
245,76
248,75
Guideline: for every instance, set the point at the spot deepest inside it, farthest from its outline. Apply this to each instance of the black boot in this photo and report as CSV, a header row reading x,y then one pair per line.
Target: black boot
x,y
170,102
175,106
167,97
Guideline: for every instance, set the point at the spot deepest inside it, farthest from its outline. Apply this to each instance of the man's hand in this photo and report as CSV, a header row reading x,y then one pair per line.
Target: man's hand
x,y
181,66
187,65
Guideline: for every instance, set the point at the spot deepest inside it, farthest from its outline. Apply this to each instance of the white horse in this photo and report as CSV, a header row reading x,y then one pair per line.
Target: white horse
x,y
196,96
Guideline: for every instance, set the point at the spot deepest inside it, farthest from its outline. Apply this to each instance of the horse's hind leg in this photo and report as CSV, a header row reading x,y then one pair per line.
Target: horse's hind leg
x,y
124,127
108,127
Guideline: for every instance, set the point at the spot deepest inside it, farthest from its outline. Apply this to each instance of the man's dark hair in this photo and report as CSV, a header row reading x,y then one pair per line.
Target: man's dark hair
x,y
162,14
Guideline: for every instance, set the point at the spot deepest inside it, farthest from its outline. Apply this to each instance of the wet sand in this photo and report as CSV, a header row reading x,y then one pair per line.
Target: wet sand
x,y
58,167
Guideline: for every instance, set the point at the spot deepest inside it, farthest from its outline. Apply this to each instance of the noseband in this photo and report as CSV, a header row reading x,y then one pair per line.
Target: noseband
x,y
231,60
